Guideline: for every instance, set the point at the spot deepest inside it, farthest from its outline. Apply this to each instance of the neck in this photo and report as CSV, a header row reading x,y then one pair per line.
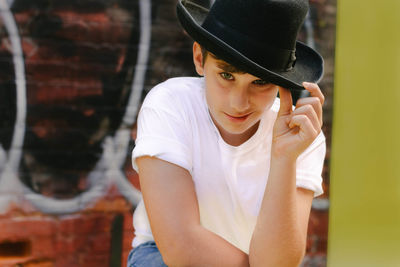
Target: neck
x,y
238,139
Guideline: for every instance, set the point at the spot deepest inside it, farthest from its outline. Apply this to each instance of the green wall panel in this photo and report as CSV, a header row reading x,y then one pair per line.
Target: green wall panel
x,y
364,226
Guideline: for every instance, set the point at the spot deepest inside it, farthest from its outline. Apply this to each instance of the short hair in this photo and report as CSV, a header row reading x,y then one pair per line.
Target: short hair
x,y
231,67
204,53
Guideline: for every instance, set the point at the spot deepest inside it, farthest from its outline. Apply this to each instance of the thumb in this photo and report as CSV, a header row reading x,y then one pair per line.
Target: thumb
x,y
286,102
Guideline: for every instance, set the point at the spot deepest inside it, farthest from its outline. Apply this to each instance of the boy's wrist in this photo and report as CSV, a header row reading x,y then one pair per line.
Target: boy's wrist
x,y
283,160
282,156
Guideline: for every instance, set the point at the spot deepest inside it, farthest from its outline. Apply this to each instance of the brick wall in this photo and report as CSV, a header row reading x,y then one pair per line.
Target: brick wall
x,y
61,203
79,60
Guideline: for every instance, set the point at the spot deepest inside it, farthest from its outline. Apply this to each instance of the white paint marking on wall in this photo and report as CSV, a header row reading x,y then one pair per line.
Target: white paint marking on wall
x,y
3,159
11,188
14,155
123,135
109,169
10,185
10,2
141,64
96,190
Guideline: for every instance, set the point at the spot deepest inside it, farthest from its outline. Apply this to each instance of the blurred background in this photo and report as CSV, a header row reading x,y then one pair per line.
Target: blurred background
x,y
73,75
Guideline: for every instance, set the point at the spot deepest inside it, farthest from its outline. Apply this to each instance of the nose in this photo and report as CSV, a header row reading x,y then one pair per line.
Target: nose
x,y
239,99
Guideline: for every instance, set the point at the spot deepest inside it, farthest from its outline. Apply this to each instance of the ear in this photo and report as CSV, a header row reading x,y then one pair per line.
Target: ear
x,y
198,58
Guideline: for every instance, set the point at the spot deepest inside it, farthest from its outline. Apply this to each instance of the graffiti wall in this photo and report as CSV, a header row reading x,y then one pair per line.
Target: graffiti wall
x,y
73,75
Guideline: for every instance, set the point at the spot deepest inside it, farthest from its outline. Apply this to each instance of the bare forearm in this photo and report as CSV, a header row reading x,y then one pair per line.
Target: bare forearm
x,y
200,247
172,207
281,229
278,239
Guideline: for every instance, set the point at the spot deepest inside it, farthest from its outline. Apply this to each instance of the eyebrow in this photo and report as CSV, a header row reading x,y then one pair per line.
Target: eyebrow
x,y
226,66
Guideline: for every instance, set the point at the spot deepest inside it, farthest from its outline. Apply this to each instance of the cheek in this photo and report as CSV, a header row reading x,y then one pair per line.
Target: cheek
x,y
211,97
214,100
266,100
216,94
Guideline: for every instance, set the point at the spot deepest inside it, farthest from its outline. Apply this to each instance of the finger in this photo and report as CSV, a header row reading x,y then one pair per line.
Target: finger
x,y
315,91
315,103
307,131
286,103
309,111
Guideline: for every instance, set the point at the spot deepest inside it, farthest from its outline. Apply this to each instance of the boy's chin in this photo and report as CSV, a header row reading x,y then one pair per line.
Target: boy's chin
x,y
241,130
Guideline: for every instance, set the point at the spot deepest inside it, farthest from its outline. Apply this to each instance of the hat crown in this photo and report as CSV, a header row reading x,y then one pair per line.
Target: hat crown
x,y
272,22
256,36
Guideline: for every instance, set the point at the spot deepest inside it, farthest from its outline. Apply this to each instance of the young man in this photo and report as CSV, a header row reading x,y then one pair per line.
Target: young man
x,y
227,170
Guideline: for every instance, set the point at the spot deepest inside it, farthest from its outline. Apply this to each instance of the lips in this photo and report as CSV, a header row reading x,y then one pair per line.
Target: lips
x,y
237,117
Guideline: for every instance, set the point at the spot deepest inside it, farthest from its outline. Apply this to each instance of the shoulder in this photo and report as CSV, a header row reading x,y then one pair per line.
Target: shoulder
x,y
179,99
174,91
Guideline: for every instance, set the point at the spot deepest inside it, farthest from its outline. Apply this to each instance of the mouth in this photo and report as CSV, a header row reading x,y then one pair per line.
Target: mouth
x,y
237,117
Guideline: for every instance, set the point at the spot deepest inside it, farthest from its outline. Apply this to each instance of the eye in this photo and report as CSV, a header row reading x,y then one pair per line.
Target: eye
x,y
226,76
260,82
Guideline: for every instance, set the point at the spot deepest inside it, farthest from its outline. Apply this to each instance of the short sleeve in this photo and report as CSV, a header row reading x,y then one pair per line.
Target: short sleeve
x,y
163,133
309,166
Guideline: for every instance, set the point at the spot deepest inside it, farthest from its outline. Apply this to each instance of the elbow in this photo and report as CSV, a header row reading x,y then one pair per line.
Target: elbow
x,y
294,255
176,253
173,259
173,262
299,251
288,256
289,260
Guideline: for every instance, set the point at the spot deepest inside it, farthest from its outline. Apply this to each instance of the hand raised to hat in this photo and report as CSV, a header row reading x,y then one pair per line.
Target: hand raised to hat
x,y
294,130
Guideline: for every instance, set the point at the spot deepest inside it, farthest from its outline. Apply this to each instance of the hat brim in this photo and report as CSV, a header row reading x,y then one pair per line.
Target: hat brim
x,y
308,66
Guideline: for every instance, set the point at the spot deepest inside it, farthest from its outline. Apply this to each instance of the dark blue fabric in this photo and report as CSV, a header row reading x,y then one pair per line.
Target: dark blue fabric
x,y
146,255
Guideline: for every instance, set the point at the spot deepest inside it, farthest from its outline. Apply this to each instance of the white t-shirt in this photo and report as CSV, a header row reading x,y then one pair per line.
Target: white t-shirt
x,y
174,125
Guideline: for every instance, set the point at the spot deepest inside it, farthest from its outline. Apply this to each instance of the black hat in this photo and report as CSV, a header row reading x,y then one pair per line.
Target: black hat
x,y
256,36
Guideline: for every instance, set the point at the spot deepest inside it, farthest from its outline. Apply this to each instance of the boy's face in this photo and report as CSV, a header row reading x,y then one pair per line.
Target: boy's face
x,y
236,100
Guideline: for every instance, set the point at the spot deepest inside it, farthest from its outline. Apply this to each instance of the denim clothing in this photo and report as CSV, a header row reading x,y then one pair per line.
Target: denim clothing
x,y
145,255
